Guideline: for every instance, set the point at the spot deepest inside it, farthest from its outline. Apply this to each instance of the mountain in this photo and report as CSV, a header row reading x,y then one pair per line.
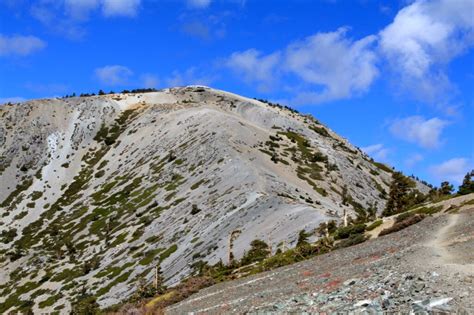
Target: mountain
x,y
96,191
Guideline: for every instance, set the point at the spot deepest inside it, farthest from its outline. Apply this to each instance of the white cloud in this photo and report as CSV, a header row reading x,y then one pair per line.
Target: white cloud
x,y
113,75
254,67
128,8
339,66
18,45
198,4
67,17
452,170
413,159
416,129
188,77
377,151
330,65
423,38
80,9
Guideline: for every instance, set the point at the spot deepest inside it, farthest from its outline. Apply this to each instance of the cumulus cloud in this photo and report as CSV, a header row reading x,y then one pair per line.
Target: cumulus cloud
x,y
67,17
340,66
18,45
127,8
188,77
377,151
254,67
419,44
330,65
452,170
198,4
113,75
80,9
416,129
423,38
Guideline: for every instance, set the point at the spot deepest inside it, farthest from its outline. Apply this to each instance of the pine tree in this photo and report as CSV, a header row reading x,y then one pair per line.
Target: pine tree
x,y
302,238
259,250
397,200
467,185
446,189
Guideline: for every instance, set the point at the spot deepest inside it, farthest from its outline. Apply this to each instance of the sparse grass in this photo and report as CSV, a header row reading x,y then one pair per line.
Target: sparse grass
x,y
383,167
24,185
320,130
374,225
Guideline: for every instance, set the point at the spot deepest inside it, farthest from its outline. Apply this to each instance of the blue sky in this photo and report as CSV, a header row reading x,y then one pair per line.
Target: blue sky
x,y
394,77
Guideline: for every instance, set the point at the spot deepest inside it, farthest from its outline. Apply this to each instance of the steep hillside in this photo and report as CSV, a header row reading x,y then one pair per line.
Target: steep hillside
x,y
97,191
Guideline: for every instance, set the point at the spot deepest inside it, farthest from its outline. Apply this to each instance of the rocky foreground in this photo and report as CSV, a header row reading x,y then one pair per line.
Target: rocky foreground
x,y
428,266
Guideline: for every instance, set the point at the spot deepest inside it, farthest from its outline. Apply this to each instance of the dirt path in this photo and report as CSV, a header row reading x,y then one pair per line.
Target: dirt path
x,y
442,246
439,242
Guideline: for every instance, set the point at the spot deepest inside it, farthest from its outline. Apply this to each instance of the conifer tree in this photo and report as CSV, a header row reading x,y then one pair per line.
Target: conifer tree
x,y
446,188
397,200
467,185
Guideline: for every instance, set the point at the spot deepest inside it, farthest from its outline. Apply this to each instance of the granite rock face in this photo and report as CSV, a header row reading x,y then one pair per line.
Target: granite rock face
x,y
97,191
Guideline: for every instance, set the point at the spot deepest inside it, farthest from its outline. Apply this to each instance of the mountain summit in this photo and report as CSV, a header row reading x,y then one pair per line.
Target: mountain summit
x,y
97,191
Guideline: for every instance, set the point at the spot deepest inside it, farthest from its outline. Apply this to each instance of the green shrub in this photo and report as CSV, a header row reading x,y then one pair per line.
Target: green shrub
x,y
354,239
345,232
99,174
403,224
429,210
8,235
281,259
259,250
403,216
320,130
195,209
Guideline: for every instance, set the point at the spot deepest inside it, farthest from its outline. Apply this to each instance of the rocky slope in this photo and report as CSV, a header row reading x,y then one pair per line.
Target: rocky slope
x,y
97,191
425,268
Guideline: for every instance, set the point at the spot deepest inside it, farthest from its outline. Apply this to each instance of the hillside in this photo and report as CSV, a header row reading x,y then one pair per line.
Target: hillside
x,y
97,191
426,268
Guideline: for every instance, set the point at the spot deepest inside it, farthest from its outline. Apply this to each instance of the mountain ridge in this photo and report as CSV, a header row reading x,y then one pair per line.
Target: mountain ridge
x,y
104,188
